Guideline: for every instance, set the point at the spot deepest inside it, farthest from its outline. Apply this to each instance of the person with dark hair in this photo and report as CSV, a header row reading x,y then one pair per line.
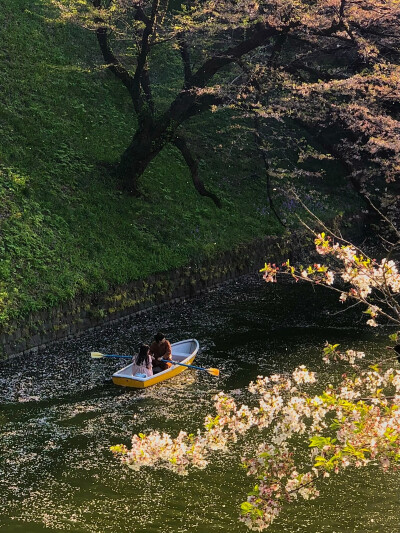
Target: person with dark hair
x,y
142,363
160,348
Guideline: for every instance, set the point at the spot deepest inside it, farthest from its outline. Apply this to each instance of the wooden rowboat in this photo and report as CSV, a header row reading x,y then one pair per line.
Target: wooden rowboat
x,y
182,352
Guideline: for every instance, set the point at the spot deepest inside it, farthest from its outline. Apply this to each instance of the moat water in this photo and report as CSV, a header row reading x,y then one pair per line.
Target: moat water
x,y
59,414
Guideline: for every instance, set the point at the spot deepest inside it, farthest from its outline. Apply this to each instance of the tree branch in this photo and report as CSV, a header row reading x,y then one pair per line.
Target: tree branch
x,y
111,60
266,166
146,86
182,146
260,35
141,77
185,55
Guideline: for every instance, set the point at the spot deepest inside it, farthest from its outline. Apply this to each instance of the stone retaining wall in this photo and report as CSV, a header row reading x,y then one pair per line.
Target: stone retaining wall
x,y
90,311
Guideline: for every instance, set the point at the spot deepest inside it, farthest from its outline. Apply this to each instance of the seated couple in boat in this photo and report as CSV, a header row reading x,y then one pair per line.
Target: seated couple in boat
x,y
149,360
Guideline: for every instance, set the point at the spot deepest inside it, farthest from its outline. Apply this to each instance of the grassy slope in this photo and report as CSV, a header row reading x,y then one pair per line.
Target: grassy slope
x,y
65,228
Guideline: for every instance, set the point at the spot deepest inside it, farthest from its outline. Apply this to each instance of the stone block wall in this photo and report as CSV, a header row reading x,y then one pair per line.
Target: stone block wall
x,y
90,311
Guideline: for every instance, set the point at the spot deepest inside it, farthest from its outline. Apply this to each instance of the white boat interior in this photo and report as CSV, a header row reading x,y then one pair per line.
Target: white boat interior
x,y
180,351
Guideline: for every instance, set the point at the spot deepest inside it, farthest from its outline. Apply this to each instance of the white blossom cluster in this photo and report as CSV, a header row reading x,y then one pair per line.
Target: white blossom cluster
x,y
365,430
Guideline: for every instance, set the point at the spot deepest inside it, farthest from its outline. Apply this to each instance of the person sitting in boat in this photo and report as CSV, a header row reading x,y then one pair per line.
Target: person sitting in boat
x,y
142,363
160,348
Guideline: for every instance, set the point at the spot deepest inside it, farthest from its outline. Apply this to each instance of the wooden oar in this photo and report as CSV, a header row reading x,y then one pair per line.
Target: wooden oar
x,y
212,371
98,355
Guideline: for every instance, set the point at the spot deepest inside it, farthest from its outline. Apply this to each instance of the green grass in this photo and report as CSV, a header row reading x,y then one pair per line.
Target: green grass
x,y
65,228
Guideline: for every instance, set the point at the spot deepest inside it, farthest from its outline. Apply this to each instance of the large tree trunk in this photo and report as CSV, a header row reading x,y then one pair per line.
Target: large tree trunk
x,y
146,144
150,138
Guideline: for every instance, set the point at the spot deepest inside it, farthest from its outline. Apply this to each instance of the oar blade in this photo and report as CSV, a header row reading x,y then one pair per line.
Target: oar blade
x,y
96,355
213,371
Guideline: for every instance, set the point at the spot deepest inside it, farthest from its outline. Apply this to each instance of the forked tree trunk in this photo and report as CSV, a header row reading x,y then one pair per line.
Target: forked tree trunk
x,y
148,141
144,147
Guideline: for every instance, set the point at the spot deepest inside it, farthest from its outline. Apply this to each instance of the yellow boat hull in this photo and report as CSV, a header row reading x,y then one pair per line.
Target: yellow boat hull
x,y
157,378
183,352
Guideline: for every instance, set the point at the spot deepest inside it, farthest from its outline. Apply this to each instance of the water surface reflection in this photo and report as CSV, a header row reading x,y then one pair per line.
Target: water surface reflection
x,y
59,416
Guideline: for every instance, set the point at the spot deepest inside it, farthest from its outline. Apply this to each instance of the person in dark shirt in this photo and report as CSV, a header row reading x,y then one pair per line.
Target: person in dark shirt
x,y
160,348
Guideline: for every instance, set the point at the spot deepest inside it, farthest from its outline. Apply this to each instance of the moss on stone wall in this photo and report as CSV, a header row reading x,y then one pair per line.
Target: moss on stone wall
x,y
85,312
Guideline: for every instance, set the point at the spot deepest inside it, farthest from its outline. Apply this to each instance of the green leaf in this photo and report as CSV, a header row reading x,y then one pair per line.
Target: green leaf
x,y
335,424
320,442
246,507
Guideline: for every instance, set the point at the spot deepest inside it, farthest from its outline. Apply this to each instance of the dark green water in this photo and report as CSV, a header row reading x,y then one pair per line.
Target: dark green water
x,y
58,419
